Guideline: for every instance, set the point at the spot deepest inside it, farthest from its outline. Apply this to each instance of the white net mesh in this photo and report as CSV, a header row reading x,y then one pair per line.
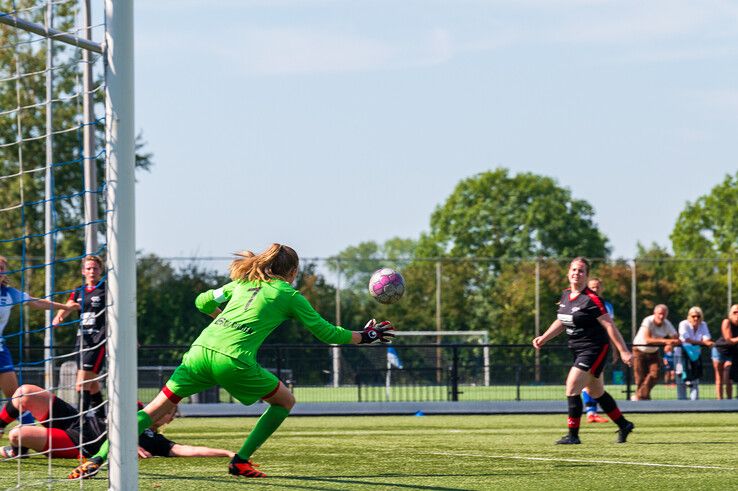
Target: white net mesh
x,y
48,214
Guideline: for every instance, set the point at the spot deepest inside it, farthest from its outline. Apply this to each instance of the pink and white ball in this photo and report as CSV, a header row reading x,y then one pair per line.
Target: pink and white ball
x,y
386,285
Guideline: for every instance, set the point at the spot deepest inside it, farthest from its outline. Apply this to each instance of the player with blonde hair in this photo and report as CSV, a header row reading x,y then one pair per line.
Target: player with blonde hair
x,y
259,298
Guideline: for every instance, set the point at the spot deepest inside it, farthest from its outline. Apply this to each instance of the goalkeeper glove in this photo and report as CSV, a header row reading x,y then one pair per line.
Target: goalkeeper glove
x,y
374,332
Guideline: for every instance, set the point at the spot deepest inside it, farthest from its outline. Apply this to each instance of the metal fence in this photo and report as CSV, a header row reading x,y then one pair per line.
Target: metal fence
x,y
368,374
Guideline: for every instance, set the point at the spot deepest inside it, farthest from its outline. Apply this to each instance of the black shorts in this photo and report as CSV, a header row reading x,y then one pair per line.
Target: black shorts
x,y
155,443
87,432
93,358
590,357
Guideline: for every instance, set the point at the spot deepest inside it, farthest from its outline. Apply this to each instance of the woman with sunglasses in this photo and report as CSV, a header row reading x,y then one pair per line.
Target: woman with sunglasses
x,y
693,333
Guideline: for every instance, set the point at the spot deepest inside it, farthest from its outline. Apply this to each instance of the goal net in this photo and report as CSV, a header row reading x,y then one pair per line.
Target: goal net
x,y
67,155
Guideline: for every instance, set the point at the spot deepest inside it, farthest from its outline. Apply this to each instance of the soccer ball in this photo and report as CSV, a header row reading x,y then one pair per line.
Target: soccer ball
x,y
386,285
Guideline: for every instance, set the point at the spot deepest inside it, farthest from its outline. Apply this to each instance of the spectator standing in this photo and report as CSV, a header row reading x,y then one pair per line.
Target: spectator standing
x,y
693,334
724,353
655,331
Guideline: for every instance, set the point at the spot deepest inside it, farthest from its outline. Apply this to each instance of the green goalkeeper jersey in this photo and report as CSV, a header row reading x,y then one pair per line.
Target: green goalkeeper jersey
x,y
254,310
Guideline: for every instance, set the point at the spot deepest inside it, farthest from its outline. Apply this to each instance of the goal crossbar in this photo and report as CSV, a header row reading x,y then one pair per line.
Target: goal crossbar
x,y
49,32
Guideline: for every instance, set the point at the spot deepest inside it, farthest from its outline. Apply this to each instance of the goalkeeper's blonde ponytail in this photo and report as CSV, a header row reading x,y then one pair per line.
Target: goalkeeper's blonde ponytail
x,y
278,261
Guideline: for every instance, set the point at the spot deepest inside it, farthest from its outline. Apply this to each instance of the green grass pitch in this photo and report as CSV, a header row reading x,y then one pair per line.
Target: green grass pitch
x,y
666,451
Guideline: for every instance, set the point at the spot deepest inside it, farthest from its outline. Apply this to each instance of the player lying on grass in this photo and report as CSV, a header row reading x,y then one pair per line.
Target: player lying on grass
x,y
259,299
70,436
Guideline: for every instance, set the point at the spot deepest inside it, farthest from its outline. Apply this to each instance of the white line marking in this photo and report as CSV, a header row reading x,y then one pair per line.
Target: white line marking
x,y
559,459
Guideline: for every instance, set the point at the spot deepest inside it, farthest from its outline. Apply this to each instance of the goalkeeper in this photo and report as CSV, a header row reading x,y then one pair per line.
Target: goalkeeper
x,y
259,299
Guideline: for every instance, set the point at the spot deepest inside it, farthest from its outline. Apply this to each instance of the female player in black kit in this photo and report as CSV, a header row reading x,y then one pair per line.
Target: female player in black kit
x,y
590,329
92,334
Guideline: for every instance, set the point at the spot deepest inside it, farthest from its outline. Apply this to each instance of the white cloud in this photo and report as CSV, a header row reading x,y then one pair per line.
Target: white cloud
x,y
285,50
657,30
631,22
308,50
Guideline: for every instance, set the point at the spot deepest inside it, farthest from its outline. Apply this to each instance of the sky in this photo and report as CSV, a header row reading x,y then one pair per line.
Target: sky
x,y
322,124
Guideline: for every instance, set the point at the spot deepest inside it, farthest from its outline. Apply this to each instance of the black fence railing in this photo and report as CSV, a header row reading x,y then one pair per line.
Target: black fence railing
x,y
413,372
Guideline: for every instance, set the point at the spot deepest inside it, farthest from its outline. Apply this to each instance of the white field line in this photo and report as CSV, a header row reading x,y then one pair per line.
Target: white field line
x,y
593,461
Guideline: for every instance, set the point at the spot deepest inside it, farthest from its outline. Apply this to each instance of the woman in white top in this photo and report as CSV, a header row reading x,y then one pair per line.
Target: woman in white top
x,y
693,331
9,298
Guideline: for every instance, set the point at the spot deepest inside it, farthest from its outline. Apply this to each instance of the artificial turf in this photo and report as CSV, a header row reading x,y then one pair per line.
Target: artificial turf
x,y
666,451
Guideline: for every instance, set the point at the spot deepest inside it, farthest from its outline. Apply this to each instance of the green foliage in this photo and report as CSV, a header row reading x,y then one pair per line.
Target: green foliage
x,y
29,123
23,158
166,301
497,215
505,218
357,263
707,227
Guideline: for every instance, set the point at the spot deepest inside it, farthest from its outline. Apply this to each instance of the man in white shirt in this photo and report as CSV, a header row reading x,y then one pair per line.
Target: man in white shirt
x,y
655,331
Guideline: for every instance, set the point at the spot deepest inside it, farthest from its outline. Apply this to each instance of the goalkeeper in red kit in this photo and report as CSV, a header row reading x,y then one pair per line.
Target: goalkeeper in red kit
x,y
259,299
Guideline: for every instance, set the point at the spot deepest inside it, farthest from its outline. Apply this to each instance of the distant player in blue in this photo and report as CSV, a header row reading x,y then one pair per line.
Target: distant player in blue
x,y
590,405
10,297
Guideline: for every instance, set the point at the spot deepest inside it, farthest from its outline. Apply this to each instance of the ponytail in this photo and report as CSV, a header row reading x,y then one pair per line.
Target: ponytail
x,y
277,261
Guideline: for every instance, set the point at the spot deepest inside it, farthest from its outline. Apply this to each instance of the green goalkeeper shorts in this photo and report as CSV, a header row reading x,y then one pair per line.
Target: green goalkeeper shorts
x,y
203,368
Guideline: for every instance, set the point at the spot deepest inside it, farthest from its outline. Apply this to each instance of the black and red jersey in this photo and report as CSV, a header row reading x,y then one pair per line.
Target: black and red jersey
x,y
579,314
91,300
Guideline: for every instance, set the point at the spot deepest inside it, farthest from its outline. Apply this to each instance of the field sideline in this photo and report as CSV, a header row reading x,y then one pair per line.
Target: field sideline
x,y
667,451
553,392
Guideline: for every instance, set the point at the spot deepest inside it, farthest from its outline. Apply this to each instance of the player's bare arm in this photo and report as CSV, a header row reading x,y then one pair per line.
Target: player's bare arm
x,y
556,328
617,339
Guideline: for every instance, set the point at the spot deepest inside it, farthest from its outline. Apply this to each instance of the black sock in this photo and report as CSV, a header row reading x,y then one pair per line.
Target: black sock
x,y
20,450
611,408
8,414
575,414
84,400
96,401
238,460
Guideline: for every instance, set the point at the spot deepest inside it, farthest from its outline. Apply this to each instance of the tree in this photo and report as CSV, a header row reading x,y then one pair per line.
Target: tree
x,y
707,227
493,221
497,215
166,310
703,239
357,263
23,154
